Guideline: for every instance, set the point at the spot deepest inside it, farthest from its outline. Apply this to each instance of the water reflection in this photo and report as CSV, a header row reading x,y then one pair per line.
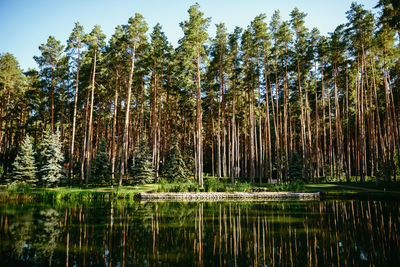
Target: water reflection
x,y
356,233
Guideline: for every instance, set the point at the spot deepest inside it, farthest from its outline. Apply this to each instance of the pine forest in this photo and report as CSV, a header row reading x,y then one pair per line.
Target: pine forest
x,y
274,102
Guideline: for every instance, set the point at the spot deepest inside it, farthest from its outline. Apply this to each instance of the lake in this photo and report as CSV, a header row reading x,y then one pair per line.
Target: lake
x,y
122,233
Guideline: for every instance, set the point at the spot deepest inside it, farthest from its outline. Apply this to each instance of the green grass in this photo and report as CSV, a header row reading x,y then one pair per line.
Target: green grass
x,y
74,192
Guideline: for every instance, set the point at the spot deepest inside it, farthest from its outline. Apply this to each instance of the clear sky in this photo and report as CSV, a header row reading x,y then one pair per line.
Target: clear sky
x,y
25,24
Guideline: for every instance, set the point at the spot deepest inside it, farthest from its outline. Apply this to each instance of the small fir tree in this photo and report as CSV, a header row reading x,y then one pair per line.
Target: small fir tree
x,y
24,164
188,158
51,170
175,167
142,170
101,167
295,170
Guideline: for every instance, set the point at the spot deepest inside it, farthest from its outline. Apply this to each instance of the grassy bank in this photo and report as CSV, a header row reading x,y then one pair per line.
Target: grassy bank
x,y
211,184
75,193
368,190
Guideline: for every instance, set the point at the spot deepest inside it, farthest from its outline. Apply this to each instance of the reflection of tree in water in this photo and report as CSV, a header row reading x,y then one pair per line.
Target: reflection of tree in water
x,y
46,234
353,233
31,236
21,231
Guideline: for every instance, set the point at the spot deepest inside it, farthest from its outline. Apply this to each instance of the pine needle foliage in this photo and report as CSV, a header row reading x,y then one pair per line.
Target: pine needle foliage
x,y
51,171
175,167
142,170
24,164
101,167
295,170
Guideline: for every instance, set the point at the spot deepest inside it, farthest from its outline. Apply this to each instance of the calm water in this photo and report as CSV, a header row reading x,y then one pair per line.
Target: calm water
x,y
354,233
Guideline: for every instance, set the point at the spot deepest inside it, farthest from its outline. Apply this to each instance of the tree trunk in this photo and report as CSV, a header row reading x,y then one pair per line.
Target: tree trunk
x,y
71,154
199,126
125,148
114,129
90,131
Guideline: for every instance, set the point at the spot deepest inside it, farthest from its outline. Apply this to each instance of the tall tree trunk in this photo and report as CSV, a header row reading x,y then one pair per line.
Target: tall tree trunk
x,y
233,137
71,154
199,126
154,124
52,97
316,138
338,129
90,131
212,140
348,137
114,129
325,150
125,147
219,172
308,118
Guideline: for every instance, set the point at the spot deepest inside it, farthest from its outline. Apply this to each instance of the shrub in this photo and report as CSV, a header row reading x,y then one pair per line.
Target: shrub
x,y
19,187
295,186
181,186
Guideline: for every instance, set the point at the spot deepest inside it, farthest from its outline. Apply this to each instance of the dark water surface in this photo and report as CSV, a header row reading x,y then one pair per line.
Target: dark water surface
x,y
326,233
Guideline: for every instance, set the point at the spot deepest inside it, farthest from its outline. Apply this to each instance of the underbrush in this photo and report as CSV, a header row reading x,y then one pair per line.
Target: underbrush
x,y
181,186
295,186
210,185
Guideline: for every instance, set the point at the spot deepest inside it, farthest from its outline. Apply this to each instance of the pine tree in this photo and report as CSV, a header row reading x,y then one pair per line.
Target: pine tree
x,y
48,63
24,164
51,170
175,167
101,168
95,42
143,172
75,43
135,32
195,35
295,168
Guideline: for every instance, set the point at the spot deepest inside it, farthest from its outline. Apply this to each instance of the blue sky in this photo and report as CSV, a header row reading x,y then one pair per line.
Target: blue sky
x,y
27,24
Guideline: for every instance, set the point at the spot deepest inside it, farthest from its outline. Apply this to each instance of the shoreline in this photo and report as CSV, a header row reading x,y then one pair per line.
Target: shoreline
x,y
228,196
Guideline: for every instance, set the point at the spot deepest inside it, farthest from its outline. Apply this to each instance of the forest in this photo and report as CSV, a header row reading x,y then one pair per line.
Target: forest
x,y
274,102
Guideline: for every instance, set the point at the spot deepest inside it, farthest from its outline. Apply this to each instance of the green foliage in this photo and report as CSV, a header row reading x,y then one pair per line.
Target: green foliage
x,y
51,54
390,14
101,166
210,185
135,31
295,186
51,170
75,40
19,187
95,38
214,185
24,164
189,185
195,32
175,167
295,169
188,158
11,76
220,185
142,170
